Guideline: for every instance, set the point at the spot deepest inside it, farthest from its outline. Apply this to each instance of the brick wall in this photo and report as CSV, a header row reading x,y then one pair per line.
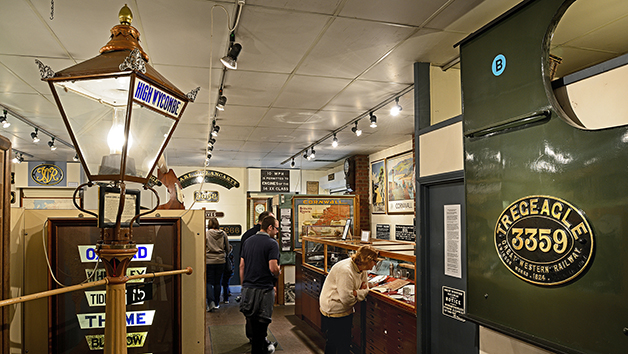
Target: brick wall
x,y
362,186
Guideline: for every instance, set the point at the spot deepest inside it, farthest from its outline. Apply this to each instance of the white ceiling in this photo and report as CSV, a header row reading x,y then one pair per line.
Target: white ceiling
x,y
307,68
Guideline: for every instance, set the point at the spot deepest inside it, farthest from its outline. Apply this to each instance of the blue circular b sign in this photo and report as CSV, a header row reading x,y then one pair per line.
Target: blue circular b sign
x,y
499,64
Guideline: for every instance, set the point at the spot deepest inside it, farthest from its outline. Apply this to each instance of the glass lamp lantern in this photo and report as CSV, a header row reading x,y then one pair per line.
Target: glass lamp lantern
x,y
120,114
119,111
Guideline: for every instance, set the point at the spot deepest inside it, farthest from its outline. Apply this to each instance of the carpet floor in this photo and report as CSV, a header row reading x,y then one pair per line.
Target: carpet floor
x,y
231,339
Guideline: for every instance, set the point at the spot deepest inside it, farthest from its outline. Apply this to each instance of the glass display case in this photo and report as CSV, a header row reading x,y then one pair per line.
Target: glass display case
x,y
392,279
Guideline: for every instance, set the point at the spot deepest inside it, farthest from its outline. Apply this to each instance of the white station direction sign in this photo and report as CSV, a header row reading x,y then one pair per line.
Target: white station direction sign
x,y
101,273
97,298
133,318
88,253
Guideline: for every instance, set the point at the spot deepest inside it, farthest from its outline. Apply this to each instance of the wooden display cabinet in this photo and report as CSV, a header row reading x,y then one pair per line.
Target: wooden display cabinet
x,y
386,321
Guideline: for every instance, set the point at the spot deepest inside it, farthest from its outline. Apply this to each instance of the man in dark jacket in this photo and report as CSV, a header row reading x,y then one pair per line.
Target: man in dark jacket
x,y
255,229
259,269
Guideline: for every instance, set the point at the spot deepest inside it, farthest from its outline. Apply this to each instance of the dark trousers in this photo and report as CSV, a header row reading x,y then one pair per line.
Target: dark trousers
x,y
226,292
213,274
259,344
338,333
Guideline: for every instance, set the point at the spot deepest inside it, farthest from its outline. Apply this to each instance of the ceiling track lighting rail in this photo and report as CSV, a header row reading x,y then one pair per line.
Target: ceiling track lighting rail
x,y
353,122
229,61
37,128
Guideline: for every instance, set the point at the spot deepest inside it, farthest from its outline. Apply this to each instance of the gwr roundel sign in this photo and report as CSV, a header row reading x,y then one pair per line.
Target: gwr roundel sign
x,y
543,240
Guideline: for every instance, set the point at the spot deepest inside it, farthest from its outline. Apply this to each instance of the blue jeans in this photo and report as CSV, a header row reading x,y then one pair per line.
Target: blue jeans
x,y
213,274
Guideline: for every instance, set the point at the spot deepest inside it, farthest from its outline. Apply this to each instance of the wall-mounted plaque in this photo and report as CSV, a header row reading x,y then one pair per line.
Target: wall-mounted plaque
x,y
382,231
232,230
206,196
454,303
275,181
405,233
543,240
312,187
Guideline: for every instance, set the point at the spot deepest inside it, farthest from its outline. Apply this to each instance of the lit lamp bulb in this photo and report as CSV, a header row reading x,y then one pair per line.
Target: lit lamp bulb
x,y
115,140
396,109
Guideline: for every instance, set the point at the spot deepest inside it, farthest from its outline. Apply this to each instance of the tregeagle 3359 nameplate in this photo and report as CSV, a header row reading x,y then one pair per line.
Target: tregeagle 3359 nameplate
x,y
544,240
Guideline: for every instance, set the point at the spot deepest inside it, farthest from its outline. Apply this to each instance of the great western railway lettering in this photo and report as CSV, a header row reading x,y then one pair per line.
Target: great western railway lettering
x,y
543,240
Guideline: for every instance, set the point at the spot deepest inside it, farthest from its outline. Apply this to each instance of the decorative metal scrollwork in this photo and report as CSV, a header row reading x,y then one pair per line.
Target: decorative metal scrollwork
x,y
44,70
134,62
192,94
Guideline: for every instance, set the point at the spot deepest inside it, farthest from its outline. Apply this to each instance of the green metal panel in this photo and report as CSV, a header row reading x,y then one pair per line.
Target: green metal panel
x,y
517,145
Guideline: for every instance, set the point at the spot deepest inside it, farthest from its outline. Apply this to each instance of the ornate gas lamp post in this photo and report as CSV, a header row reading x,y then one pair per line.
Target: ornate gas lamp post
x,y
120,114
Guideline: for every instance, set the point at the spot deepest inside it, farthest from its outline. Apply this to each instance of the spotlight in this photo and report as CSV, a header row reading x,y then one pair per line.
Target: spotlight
x,y
210,147
230,60
355,129
34,136
75,158
211,142
373,120
305,155
292,163
215,130
51,143
18,158
209,154
3,120
396,108
222,101
312,154
334,142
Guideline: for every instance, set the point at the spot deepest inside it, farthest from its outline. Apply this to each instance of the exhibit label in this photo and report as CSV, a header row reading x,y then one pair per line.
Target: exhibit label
x,y
544,240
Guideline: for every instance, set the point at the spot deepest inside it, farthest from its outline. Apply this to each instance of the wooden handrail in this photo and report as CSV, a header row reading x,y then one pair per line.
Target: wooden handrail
x,y
105,281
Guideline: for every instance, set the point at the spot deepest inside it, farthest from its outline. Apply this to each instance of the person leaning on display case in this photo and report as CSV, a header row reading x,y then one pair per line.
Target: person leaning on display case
x,y
345,285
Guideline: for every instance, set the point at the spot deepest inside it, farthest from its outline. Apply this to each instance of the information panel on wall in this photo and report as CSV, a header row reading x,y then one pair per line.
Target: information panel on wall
x,y
153,314
275,181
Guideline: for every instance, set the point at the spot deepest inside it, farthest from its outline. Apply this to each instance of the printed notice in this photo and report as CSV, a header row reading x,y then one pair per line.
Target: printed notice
x,y
275,181
453,260
453,303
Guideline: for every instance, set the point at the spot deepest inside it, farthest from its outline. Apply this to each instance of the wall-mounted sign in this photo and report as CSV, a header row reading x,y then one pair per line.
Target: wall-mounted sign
x,y
543,240
382,231
46,174
405,233
213,214
275,181
206,196
453,303
232,230
210,176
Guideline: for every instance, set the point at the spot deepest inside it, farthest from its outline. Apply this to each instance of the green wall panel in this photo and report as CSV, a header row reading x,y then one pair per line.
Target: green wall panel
x,y
548,156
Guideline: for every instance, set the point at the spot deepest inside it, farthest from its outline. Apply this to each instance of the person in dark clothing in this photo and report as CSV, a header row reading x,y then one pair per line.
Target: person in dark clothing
x,y
217,248
250,232
226,277
256,228
259,269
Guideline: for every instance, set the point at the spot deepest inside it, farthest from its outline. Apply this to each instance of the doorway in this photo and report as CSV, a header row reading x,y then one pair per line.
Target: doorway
x,y
446,273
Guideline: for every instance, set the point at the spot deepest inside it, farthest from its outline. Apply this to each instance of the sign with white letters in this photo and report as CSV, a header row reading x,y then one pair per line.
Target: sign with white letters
x,y
133,318
88,253
102,274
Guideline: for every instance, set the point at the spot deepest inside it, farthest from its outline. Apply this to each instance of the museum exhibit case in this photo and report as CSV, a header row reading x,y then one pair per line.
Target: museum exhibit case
x,y
386,321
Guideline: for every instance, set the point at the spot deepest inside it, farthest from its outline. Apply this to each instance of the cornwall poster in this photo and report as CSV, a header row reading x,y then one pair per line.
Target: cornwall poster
x,y
400,177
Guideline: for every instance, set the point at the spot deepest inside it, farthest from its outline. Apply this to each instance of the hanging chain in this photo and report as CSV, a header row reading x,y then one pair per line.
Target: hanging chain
x,y
52,9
